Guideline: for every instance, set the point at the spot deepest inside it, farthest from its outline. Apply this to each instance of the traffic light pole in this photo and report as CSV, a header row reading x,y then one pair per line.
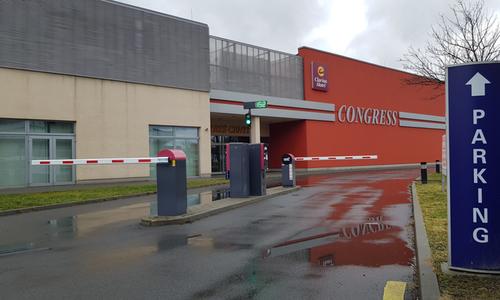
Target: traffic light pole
x,y
255,130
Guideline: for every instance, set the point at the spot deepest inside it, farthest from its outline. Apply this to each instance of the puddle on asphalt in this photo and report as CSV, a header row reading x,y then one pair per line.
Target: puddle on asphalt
x,y
80,225
370,231
8,249
372,243
226,193
221,194
198,241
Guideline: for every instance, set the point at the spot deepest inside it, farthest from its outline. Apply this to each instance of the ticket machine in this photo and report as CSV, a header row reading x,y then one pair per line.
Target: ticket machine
x,y
288,170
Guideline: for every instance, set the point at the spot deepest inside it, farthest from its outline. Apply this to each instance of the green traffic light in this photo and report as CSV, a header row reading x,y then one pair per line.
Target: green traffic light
x,y
248,120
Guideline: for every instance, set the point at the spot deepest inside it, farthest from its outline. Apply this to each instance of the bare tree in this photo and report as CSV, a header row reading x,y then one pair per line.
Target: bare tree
x,y
469,34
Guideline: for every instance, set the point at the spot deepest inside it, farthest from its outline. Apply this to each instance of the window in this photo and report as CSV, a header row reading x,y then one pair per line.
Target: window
x,y
12,126
12,161
24,140
171,137
51,127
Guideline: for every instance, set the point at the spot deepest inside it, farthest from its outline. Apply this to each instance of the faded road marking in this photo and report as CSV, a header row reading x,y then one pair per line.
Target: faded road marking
x,y
394,290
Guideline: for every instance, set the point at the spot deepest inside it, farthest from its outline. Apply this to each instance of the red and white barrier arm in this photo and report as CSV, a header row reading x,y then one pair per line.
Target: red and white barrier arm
x,y
99,161
352,157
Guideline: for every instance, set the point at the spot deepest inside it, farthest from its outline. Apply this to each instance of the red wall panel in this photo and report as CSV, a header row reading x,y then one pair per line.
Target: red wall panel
x,y
288,137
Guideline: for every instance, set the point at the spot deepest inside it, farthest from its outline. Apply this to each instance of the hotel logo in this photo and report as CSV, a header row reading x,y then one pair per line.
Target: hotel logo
x,y
319,74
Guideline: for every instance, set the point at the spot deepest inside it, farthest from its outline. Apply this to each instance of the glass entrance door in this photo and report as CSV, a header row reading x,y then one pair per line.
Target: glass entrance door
x,y
40,149
218,158
63,149
51,148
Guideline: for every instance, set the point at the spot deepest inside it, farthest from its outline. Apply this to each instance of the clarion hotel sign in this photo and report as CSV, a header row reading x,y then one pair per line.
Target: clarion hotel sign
x,y
319,77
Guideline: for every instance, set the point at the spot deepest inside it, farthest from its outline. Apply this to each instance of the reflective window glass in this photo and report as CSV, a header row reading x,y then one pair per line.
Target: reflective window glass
x,y
161,131
186,139
61,127
51,127
12,126
186,132
12,161
40,149
39,127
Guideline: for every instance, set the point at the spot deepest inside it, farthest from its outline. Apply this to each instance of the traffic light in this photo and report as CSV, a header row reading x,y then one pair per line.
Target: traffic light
x,y
248,119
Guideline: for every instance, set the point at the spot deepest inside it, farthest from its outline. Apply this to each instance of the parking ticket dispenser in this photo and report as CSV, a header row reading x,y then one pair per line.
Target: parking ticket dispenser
x,y
172,183
288,170
237,166
228,161
257,169
266,157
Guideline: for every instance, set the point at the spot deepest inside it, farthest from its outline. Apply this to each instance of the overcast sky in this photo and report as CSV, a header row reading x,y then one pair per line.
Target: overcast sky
x,y
378,31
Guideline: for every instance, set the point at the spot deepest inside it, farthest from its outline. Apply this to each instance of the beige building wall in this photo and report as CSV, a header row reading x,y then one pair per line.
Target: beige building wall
x,y
112,118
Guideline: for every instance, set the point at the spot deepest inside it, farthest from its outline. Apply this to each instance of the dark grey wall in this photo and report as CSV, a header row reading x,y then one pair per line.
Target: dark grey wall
x,y
104,39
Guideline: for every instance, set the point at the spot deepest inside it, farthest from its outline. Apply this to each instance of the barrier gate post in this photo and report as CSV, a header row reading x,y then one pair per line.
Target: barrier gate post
x,y
257,169
172,183
288,170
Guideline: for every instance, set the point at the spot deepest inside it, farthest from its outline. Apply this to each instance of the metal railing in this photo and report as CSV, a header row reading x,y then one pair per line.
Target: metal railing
x,y
240,67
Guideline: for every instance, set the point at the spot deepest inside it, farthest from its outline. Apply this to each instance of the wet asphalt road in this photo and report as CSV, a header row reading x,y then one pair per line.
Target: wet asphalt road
x,y
342,236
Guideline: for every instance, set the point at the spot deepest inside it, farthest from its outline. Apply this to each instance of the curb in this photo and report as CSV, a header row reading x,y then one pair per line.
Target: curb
x,y
429,287
191,217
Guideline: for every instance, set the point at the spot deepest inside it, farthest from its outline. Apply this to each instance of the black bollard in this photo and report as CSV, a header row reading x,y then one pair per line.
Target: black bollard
x,y
423,172
438,166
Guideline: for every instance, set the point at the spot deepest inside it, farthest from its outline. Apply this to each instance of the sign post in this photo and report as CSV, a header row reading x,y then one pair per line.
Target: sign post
x,y
444,163
473,165
252,105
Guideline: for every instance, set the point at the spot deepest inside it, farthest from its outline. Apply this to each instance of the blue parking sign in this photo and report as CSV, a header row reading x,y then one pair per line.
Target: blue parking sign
x,y
473,132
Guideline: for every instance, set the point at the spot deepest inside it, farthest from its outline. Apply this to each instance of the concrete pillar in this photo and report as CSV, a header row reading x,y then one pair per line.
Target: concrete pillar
x,y
255,130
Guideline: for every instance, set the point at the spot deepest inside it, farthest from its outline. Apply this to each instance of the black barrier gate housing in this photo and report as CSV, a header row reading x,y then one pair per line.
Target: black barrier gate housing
x,y
257,169
172,183
246,169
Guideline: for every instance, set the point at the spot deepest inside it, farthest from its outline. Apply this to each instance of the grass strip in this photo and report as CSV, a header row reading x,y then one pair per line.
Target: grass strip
x,y
434,209
16,201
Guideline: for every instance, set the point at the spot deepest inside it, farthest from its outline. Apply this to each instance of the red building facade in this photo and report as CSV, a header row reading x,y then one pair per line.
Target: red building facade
x,y
376,112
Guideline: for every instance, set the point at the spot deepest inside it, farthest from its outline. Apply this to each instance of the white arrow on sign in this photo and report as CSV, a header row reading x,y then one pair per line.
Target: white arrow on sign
x,y
478,82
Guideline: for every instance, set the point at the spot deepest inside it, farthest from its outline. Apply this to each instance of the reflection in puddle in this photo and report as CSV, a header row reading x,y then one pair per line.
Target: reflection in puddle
x,y
8,249
372,243
86,223
83,224
302,244
226,193
363,229
172,242
221,194
326,261
207,242
201,242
